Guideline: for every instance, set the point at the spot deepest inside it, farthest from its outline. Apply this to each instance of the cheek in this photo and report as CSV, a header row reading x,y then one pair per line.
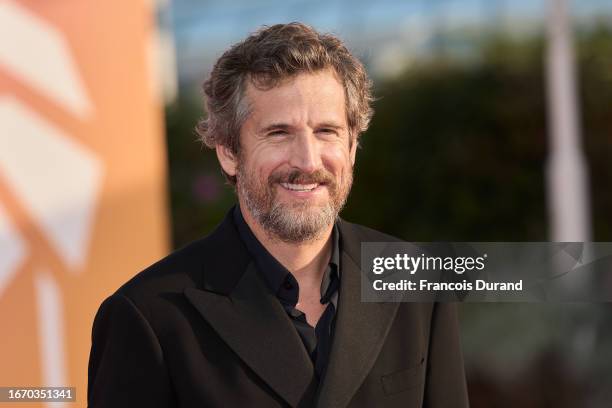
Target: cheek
x,y
338,159
264,163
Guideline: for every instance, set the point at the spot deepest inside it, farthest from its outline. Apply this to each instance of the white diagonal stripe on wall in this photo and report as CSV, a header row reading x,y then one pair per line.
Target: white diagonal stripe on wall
x,y
37,54
51,330
56,179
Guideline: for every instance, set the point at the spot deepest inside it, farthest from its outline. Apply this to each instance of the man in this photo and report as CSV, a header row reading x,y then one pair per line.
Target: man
x,y
266,310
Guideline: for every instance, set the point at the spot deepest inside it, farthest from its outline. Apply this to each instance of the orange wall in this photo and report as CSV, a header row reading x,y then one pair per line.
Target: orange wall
x,y
108,138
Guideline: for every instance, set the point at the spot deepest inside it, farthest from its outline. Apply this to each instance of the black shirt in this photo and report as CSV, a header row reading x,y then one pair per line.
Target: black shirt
x,y
316,340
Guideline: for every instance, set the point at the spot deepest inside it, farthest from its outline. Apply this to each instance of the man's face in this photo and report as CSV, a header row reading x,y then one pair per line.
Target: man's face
x,y
294,171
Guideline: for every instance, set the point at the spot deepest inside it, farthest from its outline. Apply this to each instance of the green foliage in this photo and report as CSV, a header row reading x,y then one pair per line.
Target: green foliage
x,y
595,61
458,152
198,197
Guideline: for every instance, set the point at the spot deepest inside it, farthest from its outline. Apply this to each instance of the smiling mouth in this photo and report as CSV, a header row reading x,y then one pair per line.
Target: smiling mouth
x,y
300,187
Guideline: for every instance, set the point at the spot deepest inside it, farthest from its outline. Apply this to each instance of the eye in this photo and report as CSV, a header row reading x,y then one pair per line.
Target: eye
x,y
277,133
328,131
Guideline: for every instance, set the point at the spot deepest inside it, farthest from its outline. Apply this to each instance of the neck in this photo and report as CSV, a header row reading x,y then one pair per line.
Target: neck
x,y
305,260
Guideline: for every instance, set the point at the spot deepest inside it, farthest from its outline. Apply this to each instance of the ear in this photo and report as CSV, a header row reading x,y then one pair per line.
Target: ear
x,y
227,159
353,151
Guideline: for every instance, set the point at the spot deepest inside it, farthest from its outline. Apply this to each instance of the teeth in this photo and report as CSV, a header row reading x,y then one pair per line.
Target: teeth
x,y
299,187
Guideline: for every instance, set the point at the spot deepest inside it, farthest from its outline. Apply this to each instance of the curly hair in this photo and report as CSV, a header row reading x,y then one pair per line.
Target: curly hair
x,y
267,57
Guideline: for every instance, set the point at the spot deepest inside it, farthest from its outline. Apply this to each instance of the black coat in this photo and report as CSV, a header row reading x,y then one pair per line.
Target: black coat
x,y
200,329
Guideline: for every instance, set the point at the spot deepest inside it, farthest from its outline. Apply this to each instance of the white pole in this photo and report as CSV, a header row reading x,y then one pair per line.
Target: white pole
x,y
568,192
567,175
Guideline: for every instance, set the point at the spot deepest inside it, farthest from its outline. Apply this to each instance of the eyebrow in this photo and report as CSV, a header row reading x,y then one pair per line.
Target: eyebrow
x,y
276,126
286,126
332,125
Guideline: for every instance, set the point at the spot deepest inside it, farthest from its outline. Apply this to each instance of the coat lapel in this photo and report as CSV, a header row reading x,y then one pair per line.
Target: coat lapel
x,y
361,329
237,304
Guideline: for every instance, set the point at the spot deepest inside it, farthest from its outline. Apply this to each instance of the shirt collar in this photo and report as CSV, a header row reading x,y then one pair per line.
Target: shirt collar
x,y
276,275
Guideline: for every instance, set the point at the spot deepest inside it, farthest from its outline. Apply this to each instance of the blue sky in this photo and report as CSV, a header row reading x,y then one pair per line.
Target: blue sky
x,y
202,29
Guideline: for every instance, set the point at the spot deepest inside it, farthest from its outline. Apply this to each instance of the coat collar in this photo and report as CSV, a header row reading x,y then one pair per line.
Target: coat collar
x,y
234,300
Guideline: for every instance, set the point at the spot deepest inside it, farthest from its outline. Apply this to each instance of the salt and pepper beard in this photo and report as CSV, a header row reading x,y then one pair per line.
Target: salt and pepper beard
x,y
298,221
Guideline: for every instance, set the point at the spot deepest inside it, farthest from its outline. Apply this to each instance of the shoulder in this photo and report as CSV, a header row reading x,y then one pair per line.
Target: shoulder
x,y
153,300
187,266
171,274
158,289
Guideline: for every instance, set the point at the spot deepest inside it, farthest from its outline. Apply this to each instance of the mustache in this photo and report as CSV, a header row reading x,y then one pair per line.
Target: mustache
x,y
319,176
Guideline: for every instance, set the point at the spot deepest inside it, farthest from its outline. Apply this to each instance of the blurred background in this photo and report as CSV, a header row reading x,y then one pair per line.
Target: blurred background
x,y
493,122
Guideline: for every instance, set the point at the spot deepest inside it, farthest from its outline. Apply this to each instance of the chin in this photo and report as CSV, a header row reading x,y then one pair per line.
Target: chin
x,y
310,205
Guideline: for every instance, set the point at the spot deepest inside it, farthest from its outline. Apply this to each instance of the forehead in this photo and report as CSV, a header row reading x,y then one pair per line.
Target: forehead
x,y
317,96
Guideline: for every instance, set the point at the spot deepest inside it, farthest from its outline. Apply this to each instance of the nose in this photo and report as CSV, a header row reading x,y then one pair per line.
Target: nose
x,y
306,153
